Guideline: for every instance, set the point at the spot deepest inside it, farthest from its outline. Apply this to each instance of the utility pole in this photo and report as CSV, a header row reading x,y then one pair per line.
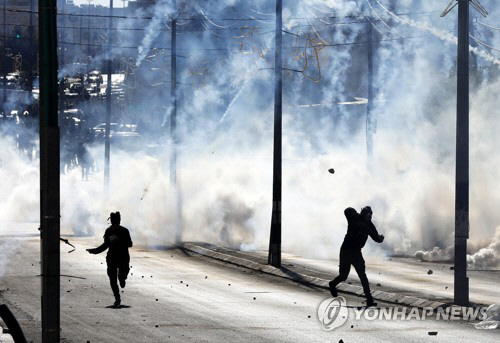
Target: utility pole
x,y
462,158
107,144
49,172
4,57
461,281
274,257
173,98
369,107
173,124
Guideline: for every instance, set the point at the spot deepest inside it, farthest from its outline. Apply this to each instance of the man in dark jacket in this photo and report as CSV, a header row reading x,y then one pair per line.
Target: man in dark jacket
x,y
117,240
359,227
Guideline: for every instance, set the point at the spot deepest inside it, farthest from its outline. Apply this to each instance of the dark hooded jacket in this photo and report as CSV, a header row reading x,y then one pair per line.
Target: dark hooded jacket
x,y
358,231
117,239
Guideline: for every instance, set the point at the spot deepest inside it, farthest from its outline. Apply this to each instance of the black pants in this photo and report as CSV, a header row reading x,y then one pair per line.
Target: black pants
x,y
120,271
354,258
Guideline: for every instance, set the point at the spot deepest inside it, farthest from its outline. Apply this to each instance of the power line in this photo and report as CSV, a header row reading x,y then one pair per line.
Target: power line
x,y
491,27
200,30
222,49
87,28
382,20
135,17
190,30
483,43
206,18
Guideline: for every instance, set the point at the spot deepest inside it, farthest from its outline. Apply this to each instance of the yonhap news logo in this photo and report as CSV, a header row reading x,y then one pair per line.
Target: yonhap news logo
x,y
332,313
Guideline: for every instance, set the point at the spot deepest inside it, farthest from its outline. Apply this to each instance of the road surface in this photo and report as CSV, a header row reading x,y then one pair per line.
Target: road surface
x,y
172,296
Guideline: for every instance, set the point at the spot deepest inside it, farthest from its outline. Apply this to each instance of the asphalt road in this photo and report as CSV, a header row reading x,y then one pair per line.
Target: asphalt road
x,y
172,296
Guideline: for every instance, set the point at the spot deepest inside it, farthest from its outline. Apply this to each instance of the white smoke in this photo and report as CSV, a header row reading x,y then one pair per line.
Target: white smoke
x,y
161,12
19,183
445,36
436,255
225,170
486,258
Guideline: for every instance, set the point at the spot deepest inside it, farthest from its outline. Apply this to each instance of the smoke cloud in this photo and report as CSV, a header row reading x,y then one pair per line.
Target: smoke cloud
x,y
225,128
486,258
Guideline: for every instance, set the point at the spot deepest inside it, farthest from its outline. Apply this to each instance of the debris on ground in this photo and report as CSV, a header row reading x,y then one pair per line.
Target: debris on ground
x,y
492,320
429,272
432,333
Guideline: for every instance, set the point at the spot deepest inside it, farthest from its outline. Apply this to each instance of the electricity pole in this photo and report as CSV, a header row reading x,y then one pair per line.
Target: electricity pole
x,y
49,172
107,144
274,257
461,281
173,98
173,124
461,288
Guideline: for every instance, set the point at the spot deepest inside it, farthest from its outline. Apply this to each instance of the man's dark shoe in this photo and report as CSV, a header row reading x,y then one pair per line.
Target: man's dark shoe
x,y
333,290
371,303
117,303
122,283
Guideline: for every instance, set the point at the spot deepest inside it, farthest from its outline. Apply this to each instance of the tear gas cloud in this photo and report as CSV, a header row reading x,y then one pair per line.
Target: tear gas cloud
x,y
225,128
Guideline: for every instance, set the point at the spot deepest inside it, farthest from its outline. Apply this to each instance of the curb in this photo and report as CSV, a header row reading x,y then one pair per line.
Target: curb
x,y
318,282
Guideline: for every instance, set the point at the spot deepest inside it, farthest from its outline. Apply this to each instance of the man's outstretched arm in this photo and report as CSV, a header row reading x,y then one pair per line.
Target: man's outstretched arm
x,y
374,234
100,248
